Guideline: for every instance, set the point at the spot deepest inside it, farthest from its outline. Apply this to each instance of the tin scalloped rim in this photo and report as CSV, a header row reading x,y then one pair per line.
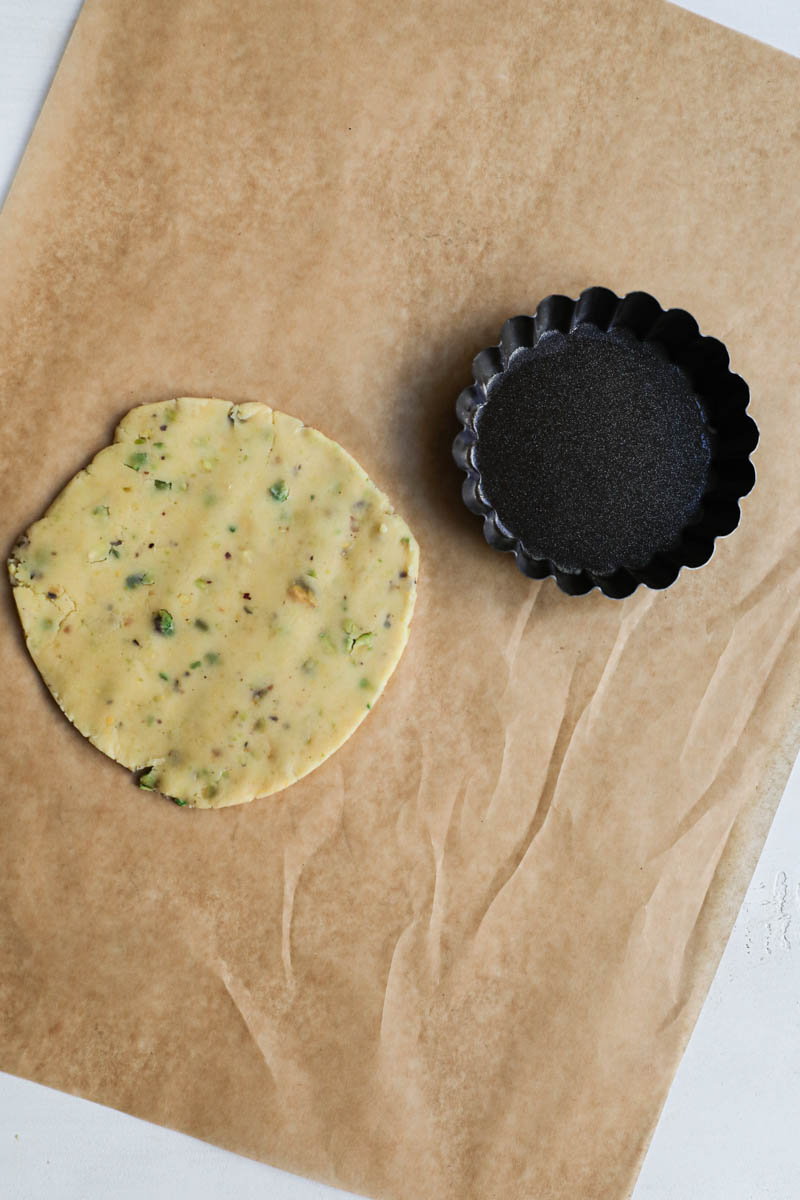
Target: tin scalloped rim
x,y
723,397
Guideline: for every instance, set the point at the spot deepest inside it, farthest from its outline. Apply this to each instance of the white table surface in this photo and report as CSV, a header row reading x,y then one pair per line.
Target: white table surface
x,y
731,1126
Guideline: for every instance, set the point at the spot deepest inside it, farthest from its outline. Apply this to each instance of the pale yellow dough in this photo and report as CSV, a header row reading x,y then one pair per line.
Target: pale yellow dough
x,y
218,599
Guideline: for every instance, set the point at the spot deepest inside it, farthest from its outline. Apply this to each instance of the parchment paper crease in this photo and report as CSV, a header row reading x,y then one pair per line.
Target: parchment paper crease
x,y
462,959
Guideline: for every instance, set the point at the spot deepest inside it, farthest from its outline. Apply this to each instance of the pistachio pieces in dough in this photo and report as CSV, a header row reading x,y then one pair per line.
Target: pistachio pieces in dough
x,y
218,599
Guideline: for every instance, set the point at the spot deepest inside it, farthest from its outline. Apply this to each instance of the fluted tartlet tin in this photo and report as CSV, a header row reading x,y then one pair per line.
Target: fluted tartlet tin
x,y
647,402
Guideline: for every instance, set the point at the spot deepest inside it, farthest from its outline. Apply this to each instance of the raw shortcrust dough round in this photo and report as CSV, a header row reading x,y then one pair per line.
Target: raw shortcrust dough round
x,y
218,599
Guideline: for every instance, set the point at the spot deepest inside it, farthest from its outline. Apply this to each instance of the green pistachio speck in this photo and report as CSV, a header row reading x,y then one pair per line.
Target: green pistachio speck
x,y
279,491
134,581
353,636
164,623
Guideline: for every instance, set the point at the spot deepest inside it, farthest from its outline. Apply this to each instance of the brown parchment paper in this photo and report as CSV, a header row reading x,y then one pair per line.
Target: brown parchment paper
x,y
462,959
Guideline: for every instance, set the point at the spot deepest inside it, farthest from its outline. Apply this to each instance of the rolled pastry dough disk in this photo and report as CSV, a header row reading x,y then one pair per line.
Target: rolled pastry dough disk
x,y
218,599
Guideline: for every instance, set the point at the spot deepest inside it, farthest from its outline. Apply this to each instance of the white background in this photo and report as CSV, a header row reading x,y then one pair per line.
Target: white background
x,y
731,1126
